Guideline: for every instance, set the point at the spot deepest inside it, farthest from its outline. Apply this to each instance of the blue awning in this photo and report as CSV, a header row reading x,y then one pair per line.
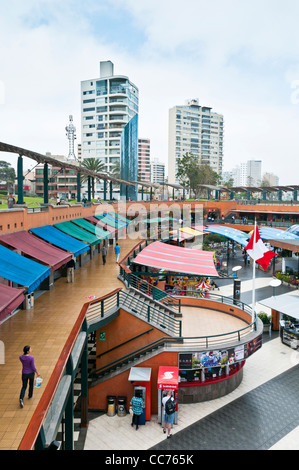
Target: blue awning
x,y
21,270
270,233
60,239
233,234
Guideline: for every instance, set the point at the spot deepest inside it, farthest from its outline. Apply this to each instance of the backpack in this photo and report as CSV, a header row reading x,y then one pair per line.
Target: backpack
x,y
170,406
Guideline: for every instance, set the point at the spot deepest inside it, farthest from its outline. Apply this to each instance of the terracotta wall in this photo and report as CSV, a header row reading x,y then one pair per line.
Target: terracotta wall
x,y
124,329
17,219
120,385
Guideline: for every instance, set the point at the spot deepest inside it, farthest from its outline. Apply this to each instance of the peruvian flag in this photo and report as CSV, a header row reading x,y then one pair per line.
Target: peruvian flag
x,y
258,251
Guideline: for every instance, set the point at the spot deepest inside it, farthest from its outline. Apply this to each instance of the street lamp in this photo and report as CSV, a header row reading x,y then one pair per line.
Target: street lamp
x,y
275,283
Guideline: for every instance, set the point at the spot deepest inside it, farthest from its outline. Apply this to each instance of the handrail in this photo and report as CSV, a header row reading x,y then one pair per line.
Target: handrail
x,y
99,308
153,291
216,298
125,342
36,422
184,342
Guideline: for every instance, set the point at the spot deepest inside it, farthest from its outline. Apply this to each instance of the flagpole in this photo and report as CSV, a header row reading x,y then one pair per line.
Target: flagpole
x,y
253,272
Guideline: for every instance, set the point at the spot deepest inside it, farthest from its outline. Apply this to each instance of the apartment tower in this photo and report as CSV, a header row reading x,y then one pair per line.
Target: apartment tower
x,y
108,103
198,130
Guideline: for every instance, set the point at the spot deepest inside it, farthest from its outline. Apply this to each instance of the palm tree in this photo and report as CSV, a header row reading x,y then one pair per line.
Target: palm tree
x,y
95,165
116,170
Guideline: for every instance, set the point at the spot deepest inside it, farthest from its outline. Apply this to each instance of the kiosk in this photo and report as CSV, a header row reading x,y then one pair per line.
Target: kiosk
x,y
168,379
140,377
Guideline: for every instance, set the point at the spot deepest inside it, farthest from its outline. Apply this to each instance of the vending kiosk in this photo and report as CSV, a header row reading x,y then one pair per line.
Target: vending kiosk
x,y
168,379
140,377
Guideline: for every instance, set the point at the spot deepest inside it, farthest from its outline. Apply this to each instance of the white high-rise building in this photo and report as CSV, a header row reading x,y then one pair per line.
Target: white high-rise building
x,y
248,173
144,160
197,130
108,103
157,171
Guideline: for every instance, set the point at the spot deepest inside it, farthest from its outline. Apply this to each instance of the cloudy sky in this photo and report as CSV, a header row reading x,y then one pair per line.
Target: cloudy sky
x,y
240,58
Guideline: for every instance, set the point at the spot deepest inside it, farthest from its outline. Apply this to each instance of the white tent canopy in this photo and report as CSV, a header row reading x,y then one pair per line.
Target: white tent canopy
x,y
287,304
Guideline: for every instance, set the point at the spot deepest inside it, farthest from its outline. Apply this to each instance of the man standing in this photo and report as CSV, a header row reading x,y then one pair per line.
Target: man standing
x,y
71,265
104,254
117,250
10,201
168,404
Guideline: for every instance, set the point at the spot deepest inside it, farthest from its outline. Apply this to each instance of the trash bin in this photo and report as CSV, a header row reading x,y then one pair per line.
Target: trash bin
x,y
111,408
121,406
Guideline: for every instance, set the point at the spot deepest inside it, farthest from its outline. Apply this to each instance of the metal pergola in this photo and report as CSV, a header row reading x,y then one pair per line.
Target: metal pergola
x,y
47,160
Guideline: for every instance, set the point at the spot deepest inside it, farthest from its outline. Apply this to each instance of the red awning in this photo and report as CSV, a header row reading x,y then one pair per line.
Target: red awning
x,y
177,259
36,248
10,298
168,377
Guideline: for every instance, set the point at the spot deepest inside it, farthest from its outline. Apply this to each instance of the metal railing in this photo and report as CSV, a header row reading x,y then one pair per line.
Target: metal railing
x,y
152,291
100,309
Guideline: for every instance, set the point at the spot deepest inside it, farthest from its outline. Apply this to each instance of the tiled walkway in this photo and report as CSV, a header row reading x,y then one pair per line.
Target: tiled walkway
x,y
262,413
46,328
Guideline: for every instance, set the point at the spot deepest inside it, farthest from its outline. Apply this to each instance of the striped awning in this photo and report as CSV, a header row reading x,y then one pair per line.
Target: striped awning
x,y
177,259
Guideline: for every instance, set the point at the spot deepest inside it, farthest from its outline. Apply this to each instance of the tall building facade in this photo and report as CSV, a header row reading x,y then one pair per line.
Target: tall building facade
x,y
157,171
198,130
129,159
144,160
248,173
108,103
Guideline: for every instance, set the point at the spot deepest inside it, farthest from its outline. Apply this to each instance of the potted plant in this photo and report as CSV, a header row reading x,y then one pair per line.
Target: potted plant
x,y
266,321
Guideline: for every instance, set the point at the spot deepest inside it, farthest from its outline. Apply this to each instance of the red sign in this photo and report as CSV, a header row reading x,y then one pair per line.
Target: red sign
x,y
168,377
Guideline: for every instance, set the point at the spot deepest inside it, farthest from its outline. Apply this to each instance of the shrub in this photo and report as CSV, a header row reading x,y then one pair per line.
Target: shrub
x,y
264,317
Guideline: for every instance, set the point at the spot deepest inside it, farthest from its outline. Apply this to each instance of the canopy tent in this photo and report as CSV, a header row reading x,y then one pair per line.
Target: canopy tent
x,y
90,227
175,234
77,232
156,220
177,259
21,270
286,303
270,233
10,298
36,248
116,220
60,239
111,221
191,231
122,218
202,286
228,232
95,220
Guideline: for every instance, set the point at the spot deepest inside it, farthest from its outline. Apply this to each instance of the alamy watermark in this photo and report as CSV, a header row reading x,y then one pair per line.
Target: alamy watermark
x,y
160,221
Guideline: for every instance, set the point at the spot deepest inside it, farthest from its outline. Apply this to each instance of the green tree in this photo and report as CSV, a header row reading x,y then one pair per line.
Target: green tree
x,y
95,165
191,170
7,173
188,171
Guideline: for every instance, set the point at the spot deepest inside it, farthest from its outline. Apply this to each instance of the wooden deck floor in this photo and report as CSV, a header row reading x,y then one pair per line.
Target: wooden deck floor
x,y
46,328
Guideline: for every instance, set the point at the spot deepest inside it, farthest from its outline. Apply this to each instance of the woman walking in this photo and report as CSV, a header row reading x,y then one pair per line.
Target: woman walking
x,y
28,372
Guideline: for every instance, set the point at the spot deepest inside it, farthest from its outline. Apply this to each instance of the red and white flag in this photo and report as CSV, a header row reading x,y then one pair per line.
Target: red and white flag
x,y
258,251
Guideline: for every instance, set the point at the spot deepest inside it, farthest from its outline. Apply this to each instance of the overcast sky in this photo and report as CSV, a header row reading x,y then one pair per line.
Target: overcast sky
x,y
240,58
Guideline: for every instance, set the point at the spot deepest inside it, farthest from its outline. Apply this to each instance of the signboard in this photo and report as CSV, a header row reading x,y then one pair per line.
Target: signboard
x,y
168,377
219,358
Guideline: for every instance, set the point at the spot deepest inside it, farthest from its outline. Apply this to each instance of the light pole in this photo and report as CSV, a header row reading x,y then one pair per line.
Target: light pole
x,y
275,283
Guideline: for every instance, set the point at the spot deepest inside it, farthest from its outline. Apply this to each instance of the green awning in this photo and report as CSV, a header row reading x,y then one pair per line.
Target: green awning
x,y
77,232
94,229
